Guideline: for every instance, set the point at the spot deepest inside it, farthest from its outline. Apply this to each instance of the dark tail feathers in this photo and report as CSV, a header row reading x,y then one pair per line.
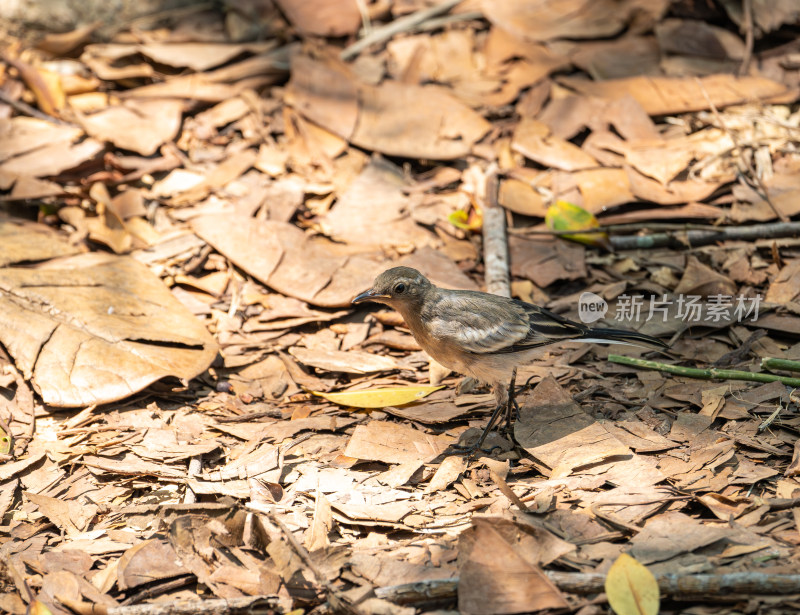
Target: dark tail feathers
x,y
623,337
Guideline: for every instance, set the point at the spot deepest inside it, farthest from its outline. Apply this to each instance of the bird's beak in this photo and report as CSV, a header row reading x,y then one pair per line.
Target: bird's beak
x,y
369,295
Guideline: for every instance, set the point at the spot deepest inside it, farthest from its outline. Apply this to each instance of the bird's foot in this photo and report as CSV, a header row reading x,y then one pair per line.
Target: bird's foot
x,y
471,450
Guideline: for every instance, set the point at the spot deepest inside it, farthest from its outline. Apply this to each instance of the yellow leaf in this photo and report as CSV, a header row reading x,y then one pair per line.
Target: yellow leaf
x,y
466,221
631,588
378,398
564,216
38,608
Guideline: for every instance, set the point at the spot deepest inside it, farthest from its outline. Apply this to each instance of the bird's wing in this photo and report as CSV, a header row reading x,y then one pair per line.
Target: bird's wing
x,y
544,327
477,322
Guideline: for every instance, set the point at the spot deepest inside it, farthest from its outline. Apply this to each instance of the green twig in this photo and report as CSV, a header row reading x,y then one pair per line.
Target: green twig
x,y
711,373
785,364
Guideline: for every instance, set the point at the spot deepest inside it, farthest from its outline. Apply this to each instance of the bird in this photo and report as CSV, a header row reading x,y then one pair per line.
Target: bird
x,y
482,335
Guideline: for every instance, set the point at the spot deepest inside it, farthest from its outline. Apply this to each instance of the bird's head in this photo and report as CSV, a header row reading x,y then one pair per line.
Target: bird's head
x,y
396,286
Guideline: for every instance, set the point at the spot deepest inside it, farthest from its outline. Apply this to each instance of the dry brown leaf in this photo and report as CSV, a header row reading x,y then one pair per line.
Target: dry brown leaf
x,y
281,256
360,514
430,411
786,285
700,279
690,210
142,126
521,198
694,37
150,560
626,56
440,128
793,469
374,211
325,93
673,193
61,43
394,443
447,473
109,230
197,56
45,85
377,117
231,168
603,188
532,138
555,430
323,17
311,268
95,329
71,516
20,134
543,20
317,535
673,95
280,430
27,242
495,578
664,159
31,188
221,84
52,159
638,436
445,57
194,87
544,261
69,586
11,468
671,534
384,571
723,507
349,362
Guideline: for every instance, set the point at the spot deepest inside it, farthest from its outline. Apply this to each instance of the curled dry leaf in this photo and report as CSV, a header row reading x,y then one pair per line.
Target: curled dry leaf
x,y
93,329
631,588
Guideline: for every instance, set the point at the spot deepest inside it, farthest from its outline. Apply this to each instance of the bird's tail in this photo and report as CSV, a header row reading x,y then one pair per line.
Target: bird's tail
x,y
620,336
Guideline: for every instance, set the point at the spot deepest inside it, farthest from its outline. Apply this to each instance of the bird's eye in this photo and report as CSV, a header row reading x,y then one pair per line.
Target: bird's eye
x,y
400,288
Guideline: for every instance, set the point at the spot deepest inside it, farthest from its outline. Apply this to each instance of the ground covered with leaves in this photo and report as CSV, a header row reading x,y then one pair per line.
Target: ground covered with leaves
x,y
191,200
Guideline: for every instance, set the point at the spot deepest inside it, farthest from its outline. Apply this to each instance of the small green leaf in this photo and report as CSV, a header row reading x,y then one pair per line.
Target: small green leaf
x,y
564,216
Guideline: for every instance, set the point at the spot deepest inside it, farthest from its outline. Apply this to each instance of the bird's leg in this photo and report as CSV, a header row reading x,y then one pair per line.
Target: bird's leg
x,y
488,429
512,407
503,405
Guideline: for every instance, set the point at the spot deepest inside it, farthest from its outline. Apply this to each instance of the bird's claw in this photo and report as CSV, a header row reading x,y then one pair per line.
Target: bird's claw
x,y
472,449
